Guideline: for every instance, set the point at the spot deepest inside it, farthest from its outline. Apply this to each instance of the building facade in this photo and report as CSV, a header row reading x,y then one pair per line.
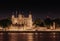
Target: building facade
x,y
21,20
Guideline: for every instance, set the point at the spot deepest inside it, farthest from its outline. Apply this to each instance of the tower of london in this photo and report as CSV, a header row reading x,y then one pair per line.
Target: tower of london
x,y
21,20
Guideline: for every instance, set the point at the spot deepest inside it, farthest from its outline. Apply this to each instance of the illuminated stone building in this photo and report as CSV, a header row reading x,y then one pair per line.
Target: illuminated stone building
x,y
21,20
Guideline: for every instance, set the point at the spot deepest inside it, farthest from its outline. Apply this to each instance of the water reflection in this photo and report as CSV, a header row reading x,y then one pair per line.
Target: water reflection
x,y
30,36
1,36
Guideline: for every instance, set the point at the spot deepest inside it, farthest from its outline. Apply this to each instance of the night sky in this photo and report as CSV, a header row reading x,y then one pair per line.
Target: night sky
x,y
38,9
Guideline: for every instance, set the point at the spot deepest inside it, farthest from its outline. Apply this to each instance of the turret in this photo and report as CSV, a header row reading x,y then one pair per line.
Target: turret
x,y
30,16
14,20
30,20
53,25
13,16
20,16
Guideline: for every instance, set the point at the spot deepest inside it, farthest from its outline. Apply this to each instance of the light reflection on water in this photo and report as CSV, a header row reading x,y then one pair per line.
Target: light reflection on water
x,y
30,36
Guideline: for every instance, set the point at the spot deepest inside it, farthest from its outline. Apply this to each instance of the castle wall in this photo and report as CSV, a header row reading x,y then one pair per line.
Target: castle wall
x,y
26,21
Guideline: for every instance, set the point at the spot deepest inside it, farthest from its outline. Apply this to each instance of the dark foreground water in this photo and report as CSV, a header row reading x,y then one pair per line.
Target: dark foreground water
x,y
52,36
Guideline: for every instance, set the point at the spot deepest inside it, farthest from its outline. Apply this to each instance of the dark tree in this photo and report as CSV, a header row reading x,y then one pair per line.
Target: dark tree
x,y
57,22
48,22
38,22
5,22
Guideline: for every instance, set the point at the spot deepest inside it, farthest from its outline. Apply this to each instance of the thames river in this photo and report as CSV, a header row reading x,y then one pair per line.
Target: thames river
x,y
43,36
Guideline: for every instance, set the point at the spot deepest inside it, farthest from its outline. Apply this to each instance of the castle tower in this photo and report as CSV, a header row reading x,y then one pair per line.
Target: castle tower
x,y
53,25
13,16
20,19
30,16
20,16
14,20
30,20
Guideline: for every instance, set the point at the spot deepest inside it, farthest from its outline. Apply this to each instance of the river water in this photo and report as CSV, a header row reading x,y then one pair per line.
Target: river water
x,y
30,36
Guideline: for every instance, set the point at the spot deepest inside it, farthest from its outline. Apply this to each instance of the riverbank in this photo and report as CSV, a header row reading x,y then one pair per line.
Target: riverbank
x,y
29,31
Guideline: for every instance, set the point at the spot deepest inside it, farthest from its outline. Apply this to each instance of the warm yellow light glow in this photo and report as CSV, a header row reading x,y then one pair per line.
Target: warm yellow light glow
x,y
30,36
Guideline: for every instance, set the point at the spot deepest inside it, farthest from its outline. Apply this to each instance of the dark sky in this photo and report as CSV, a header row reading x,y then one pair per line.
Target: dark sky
x,y
38,9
